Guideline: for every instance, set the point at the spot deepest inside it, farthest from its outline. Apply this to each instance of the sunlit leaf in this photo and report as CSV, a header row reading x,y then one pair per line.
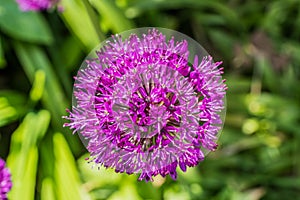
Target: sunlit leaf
x,y
80,21
23,156
65,173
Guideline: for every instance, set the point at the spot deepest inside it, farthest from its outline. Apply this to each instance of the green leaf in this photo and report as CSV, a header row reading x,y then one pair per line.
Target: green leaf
x,y
12,106
26,136
14,98
65,55
7,112
80,22
65,173
24,174
33,58
26,26
23,156
71,52
112,14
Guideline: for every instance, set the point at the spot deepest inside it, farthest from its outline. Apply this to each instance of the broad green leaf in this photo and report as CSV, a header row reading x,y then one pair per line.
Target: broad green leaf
x,y
66,175
23,156
30,131
112,14
82,22
24,174
26,26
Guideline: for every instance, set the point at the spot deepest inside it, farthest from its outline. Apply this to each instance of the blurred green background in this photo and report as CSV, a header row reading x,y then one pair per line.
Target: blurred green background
x,y
258,40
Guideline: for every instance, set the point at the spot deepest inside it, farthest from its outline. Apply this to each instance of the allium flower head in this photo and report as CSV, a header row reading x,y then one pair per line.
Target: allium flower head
x,y
5,180
143,104
36,5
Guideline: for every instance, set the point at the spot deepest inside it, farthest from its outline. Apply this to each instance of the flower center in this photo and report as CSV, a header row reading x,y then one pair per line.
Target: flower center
x,y
145,111
154,114
154,106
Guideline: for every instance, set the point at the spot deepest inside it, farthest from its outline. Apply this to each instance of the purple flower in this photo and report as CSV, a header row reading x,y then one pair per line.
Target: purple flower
x,y
141,107
36,5
5,180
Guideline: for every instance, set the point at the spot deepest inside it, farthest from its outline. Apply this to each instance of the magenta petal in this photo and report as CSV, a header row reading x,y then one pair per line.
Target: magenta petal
x,y
36,5
173,175
5,180
194,74
182,166
184,71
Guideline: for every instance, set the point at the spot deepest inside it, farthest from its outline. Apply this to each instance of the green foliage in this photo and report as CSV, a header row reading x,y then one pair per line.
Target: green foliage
x,y
23,156
80,24
65,171
26,26
11,106
113,15
258,40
